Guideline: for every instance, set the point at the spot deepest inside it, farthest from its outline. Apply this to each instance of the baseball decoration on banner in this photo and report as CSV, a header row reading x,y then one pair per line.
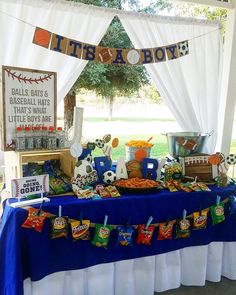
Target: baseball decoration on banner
x,y
115,56
29,101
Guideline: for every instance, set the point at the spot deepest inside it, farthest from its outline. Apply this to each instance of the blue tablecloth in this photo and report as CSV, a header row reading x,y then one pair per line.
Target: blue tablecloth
x,y
26,253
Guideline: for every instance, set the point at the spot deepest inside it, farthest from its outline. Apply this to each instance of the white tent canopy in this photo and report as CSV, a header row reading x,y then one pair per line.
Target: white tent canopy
x,y
190,85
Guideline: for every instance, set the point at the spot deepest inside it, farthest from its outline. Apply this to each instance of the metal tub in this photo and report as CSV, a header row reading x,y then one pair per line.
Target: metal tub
x,y
186,143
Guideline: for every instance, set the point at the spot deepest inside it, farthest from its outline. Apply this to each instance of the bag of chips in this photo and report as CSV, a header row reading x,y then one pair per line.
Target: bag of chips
x,y
183,228
59,227
35,219
200,219
124,235
166,230
217,213
102,235
80,230
145,234
113,191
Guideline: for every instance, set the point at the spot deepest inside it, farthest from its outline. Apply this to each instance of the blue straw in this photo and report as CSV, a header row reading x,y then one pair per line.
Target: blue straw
x,y
218,200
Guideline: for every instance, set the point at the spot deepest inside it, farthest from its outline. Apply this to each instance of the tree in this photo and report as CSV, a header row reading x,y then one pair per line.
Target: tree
x,y
110,81
200,11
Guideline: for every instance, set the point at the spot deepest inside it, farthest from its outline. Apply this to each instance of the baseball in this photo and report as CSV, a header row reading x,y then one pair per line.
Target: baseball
x,y
76,150
133,57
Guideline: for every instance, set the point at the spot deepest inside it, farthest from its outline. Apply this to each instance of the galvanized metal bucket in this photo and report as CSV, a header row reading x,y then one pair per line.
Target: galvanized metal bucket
x,y
186,143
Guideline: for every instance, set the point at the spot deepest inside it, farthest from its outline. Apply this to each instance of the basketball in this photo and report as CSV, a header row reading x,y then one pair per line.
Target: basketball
x,y
105,55
42,37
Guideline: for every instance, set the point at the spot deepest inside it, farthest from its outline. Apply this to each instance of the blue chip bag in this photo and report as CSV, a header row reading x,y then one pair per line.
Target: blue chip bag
x,y
232,204
124,235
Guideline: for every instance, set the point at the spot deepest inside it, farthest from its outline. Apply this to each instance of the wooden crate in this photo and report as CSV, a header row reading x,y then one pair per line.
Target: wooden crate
x,y
199,166
14,162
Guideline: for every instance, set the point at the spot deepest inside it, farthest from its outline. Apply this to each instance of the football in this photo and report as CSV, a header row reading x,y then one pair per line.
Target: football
x,y
183,48
109,176
89,158
82,168
99,143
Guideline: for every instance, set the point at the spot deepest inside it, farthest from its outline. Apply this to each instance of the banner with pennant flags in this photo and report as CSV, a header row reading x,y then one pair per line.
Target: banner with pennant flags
x,y
115,56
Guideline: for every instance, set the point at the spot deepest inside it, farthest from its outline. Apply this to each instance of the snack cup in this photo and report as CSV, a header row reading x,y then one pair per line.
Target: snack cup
x,y
130,151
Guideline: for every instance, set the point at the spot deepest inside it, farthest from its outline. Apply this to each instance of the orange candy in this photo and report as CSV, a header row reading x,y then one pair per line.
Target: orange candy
x,y
139,143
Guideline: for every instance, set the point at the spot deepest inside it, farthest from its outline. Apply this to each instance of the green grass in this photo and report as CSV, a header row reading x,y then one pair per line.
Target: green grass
x,y
160,146
233,147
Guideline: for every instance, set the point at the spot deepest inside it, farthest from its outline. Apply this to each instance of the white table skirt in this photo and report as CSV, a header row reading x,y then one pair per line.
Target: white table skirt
x,y
190,266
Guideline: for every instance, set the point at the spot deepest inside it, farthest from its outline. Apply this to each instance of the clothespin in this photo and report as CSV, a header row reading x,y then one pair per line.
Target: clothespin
x,y
105,220
149,222
59,210
218,200
40,208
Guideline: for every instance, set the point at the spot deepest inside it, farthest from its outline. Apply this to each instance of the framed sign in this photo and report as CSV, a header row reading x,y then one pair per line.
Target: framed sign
x,y
30,185
29,100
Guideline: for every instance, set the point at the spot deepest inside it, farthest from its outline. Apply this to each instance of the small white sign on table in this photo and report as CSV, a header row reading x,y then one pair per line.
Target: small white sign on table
x,y
31,185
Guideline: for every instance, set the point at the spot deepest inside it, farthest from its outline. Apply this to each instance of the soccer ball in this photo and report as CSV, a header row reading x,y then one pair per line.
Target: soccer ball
x,y
109,176
99,143
82,168
88,158
183,48
231,159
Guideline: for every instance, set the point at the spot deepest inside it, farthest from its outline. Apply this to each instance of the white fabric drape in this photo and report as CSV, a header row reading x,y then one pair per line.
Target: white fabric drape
x,y
190,85
73,20
190,266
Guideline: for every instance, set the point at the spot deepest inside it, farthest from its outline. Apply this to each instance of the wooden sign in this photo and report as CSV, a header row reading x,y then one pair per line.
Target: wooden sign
x,y
198,165
29,100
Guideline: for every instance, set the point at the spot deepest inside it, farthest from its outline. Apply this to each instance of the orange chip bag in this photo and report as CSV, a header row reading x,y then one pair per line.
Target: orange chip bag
x,y
166,230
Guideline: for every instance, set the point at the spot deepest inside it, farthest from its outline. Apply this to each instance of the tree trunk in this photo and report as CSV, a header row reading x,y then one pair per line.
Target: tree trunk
x,y
69,104
110,107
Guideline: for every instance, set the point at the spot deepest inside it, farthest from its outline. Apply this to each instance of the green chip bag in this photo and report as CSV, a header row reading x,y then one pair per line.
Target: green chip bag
x,y
101,236
183,228
217,213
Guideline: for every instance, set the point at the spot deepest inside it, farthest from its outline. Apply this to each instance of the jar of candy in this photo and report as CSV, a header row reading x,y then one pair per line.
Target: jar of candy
x,y
173,171
37,138
60,138
44,137
29,140
20,139
52,139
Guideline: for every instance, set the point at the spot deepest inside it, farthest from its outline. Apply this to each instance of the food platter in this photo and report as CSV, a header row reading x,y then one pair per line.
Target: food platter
x,y
135,185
